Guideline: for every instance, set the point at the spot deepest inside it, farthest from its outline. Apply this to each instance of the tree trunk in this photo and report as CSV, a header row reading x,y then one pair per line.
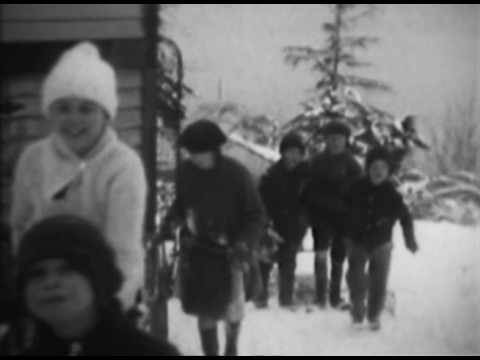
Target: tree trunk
x,y
336,44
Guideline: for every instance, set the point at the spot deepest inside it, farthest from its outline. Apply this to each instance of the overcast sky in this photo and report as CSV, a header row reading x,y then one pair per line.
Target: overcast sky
x,y
428,53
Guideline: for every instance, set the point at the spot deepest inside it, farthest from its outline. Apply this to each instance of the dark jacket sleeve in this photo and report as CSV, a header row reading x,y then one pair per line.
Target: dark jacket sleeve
x,y
308,195
265,190
175,217
354,173
406,223
350,205
252,213
357,170
304,185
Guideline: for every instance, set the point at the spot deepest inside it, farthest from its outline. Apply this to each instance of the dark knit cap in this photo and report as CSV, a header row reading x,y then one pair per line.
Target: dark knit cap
x,y
77,241
292,140
379,153
336,128
202,136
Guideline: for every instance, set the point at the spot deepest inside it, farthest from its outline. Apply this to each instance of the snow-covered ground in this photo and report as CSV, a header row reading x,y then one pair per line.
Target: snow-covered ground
x,y
437,307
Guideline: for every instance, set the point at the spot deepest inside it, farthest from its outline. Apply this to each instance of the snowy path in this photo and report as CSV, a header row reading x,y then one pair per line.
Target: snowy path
x,y
437,308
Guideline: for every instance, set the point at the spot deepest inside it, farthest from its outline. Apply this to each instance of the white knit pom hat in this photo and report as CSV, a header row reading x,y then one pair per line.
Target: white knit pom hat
x,y
81,72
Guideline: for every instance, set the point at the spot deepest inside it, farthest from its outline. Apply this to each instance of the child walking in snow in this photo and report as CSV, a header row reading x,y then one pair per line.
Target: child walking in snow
x,y
281,188
82,168
222,218
374,207
332,172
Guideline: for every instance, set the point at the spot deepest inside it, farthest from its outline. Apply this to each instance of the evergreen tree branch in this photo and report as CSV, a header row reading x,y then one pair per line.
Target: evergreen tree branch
x,y
358,41
295,55
365,83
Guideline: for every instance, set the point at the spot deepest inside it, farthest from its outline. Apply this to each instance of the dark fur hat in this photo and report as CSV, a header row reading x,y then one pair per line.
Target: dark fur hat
x,y
292,140
336,127
379,153
202,136
78,242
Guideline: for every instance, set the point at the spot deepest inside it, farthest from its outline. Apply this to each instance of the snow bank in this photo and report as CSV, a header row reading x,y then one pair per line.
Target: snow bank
x,y
437,296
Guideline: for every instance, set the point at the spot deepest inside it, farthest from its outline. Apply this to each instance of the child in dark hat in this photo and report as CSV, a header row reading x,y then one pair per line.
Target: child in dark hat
x,y
66,283
374,207
202,136
282,190
222,212
332,172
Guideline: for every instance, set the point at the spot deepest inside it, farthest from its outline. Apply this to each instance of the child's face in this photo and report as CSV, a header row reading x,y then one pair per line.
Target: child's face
x,y
336,143
378,172
204,160
57,293
79,122
292,157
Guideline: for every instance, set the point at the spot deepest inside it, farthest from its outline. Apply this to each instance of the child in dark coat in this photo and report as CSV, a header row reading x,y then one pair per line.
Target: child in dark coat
x,y
282,190
223,219
66,283
374,207
332,173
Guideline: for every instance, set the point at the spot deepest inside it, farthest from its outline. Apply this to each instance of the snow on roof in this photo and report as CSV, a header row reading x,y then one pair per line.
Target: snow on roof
x,y
263,151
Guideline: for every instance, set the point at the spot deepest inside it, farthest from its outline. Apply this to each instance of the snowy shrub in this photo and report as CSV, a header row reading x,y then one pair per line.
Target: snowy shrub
x,y
454,198
456,145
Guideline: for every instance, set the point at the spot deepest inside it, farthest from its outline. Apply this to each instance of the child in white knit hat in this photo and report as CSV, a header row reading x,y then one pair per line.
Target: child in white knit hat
x,y
82,168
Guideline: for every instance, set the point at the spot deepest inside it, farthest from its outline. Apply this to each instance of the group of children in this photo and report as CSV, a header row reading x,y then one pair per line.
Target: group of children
x,y
351,213
78,211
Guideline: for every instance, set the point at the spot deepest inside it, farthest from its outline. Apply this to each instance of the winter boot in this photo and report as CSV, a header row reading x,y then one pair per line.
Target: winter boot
x,y
209,338
261,301
375,324
335,285
321,280
232,332
357,325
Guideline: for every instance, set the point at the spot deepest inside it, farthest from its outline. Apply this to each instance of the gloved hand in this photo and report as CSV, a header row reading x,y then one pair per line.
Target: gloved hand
x,y
241,252
412,246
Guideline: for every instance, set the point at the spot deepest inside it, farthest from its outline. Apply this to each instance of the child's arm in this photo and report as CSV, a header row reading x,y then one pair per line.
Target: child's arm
x,y
124,226
407,226
253,215
348,217
265,190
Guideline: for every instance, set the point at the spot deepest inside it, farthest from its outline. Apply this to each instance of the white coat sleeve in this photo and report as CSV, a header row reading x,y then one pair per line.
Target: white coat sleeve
x,y
124,227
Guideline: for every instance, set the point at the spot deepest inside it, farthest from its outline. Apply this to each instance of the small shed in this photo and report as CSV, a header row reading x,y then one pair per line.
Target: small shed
x,y
32,36
257,158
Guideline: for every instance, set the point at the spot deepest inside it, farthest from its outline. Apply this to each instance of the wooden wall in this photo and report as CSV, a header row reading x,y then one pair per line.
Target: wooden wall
x,y
44,22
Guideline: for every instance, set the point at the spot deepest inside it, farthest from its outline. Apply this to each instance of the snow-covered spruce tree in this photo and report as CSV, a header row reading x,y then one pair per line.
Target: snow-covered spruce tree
x,y
334,61
337,89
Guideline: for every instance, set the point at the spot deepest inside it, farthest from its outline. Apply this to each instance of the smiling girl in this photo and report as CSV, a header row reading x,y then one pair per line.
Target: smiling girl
x,y
82,168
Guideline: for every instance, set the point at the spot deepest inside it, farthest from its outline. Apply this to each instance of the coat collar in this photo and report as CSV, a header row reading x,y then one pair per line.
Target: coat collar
x,y
108,138
99,339
63,167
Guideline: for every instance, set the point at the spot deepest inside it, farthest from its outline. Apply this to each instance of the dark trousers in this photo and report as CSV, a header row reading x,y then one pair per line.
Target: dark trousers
x,y
371,281
287,261
328,237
